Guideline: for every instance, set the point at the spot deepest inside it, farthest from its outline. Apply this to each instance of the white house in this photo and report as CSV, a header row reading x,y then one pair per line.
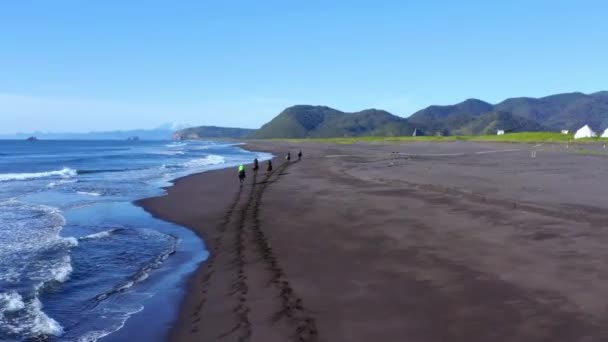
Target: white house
x,y
605,134
565,131
500,132
584,132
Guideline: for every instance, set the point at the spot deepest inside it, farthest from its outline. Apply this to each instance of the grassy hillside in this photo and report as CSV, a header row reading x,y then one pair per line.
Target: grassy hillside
x,y
305,121
471,117
444,119
556,112
563,111
522,137
489,123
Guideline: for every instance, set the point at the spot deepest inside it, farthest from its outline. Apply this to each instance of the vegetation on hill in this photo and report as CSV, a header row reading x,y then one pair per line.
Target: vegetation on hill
x,y
471,117
564,111
490,123
556,112
305,121
444,119
522,137
212,132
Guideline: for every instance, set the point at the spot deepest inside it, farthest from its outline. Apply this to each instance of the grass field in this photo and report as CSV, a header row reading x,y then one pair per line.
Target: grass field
x,y
524,137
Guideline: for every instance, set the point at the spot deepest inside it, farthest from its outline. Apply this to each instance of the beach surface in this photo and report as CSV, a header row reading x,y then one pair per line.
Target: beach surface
x,y
408,242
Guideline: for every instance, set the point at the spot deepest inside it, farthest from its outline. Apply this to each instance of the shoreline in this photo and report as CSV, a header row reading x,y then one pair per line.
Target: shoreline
x,y
333,247
219,186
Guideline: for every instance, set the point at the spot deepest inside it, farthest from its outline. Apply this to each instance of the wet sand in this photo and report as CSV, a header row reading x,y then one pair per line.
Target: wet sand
x,y
412,242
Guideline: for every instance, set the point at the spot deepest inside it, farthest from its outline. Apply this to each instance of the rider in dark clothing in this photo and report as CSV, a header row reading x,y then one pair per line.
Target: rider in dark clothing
x,y
300,155
242,173
269,166
288,156
256,166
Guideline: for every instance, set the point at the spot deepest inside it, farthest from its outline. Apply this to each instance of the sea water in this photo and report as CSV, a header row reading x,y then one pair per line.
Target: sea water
x,y
80,262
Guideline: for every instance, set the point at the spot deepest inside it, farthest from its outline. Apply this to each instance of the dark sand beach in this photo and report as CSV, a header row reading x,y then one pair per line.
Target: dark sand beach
x,y
411,242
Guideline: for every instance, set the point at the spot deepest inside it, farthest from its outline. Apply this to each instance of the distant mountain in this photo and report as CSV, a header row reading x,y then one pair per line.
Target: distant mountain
x,y
568,111
563,111
556,112
489,123
471,117
163,132
304,121
173,126
444,119
212,132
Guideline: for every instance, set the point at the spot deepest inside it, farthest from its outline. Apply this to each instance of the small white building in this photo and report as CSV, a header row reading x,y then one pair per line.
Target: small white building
x,y
500,132
565,131
605,134
584,132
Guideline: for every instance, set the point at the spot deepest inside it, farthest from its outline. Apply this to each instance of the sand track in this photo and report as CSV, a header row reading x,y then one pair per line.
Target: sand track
x,y
259,291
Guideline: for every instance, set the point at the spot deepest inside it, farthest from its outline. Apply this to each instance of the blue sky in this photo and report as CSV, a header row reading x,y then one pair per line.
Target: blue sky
x,y
99,65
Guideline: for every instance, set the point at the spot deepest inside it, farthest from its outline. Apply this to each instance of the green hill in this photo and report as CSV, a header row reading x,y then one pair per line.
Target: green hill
x,y
444,119
304,121
471,117
489,123
556,112
563,111
212,132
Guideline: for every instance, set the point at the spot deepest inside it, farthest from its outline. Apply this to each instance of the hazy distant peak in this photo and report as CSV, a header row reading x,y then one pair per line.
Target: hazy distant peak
x,y
601,94
173,126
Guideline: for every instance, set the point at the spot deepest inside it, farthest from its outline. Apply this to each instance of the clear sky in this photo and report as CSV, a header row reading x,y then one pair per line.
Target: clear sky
x,y
99,65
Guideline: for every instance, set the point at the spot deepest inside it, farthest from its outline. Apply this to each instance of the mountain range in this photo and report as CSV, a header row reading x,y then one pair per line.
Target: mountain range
x,y
568,111
162,132
559,112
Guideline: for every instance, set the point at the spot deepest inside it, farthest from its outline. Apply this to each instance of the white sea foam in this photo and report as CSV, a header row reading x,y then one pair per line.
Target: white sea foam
x,y
31,320
11,301
142,277
61,272
211,159
100,235
60,182
27,228
41,324
96,194
64,173
93,336
213,145
125,286
171,152
70,241
29,232
176,144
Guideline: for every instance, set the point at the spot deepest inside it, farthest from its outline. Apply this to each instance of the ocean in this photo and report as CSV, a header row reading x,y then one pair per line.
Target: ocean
x,y
79,261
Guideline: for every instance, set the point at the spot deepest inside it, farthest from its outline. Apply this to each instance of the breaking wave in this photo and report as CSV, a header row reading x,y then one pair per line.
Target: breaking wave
x,y
176,144
211,159
101,235
32,250
64,173
96,194
25,317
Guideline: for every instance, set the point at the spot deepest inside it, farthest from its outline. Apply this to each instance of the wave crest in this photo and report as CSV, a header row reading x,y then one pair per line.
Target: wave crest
x,y
211,159
89,193
66,172
31,322
100,235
